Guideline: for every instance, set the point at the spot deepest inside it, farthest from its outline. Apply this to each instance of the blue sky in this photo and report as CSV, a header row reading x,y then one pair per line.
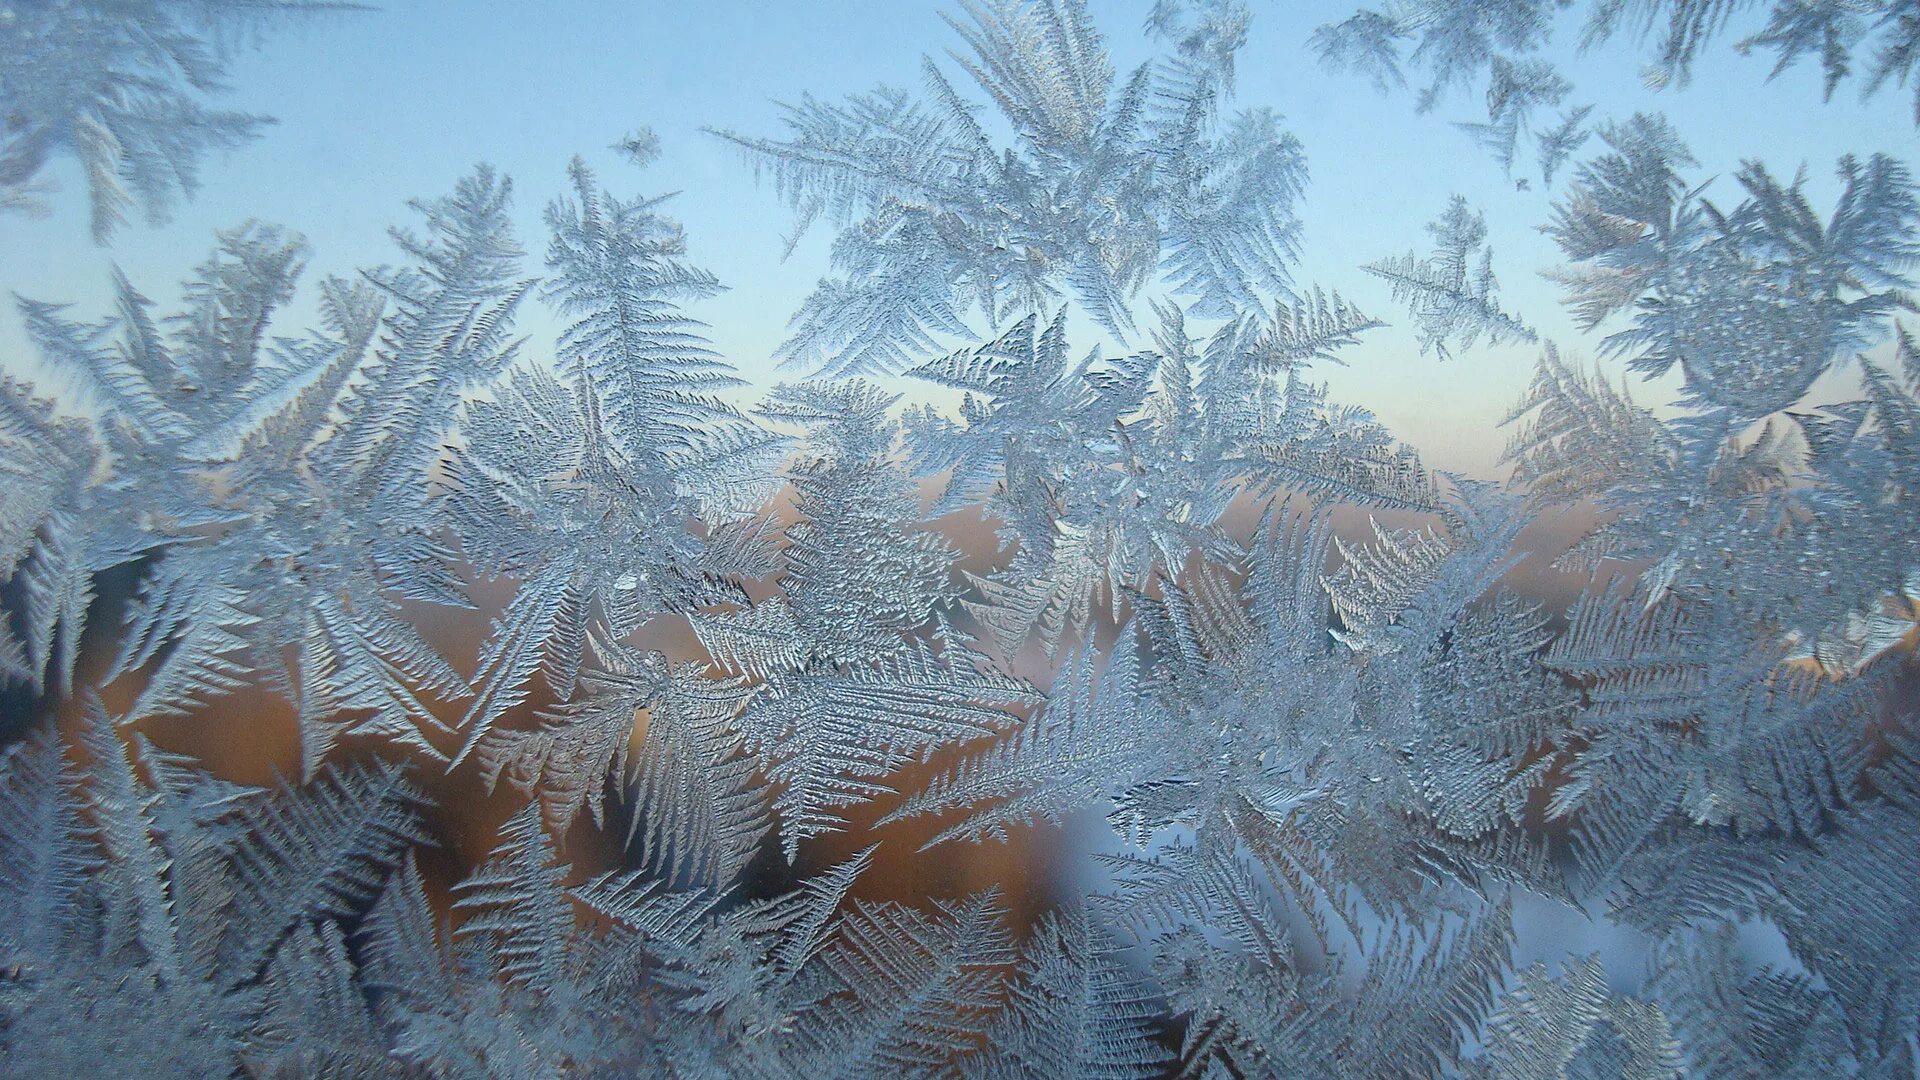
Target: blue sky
x,y
379,107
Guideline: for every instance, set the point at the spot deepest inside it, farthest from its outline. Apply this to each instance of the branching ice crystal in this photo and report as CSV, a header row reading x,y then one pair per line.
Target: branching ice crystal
x,y
1346,746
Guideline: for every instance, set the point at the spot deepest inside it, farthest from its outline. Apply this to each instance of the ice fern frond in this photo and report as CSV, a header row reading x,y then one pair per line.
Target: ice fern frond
x,y
1445,987
1514,90
698,811
831,740
447,332
1087,740
122,89
520,911
317,853
1558,1028
46,846
1075,1011
904,991
1580,438
943,222
620,272
1449,294
568,759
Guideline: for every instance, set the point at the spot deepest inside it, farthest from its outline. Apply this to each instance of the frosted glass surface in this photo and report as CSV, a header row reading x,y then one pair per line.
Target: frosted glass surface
x,y
1220,539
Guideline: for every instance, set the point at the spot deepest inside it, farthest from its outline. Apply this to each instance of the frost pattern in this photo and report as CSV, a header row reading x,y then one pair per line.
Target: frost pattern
x,y
1112,181
1453,46
1340,750
120,86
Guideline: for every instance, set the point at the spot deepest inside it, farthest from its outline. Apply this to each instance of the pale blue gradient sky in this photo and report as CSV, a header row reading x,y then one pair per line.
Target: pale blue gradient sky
x,y
379,107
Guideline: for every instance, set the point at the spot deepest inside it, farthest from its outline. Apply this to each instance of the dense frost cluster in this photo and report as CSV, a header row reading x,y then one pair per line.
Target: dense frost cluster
x,y
1333,756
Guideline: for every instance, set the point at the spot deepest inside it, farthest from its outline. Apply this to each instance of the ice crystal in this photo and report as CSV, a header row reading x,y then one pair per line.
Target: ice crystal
x,y
762,641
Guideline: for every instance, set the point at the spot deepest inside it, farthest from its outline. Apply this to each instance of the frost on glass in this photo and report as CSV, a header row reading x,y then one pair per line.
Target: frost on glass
x,y
1335,756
